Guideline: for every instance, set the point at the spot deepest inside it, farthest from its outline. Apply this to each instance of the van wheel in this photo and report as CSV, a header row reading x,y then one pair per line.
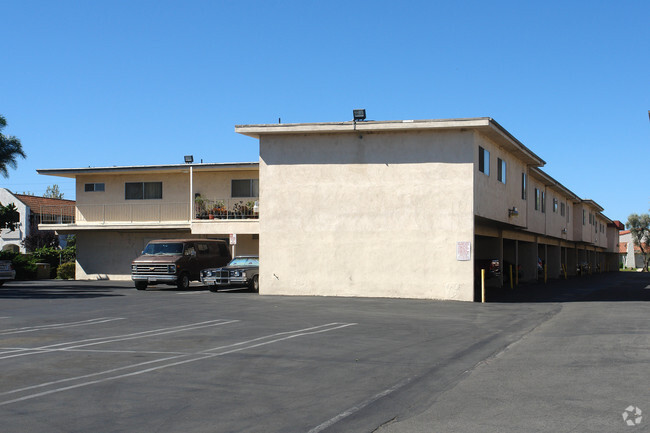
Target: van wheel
x,y
141,285
183,282
254,285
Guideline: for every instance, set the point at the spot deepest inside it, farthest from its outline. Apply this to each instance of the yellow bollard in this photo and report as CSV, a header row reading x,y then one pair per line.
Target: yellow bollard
x,y
511,277
517,277
483,285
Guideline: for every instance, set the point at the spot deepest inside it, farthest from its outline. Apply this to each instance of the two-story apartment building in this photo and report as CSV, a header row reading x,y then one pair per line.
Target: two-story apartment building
x,y
383,208
407,208
120,209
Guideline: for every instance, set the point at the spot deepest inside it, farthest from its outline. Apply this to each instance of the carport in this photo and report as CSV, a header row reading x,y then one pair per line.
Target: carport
x,y
553,261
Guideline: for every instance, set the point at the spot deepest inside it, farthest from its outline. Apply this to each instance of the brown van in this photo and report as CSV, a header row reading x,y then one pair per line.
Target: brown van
x,y
177,261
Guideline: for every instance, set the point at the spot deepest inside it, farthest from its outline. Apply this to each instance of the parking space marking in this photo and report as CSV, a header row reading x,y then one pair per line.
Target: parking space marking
x,y
244,345
288,335
59,325
358,407
111,339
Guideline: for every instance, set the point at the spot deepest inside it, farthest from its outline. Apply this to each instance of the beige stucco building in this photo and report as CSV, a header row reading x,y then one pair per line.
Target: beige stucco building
x,y
406,209
412,209
119,209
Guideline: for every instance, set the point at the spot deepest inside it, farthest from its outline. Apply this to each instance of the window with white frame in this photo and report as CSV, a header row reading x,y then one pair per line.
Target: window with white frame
x,y
245,188
537,201
483,161
94,187
555,202
562,209
501,170
143,190
523,186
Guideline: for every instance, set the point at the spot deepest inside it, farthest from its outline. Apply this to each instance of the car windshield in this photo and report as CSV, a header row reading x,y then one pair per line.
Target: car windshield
x,y
164,249
244,261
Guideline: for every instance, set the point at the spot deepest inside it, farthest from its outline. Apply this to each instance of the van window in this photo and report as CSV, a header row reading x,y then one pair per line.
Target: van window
x,y
202,248
189,250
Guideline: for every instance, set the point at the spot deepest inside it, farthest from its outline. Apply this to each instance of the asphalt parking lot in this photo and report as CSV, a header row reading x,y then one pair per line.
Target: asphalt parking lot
x,y
101,356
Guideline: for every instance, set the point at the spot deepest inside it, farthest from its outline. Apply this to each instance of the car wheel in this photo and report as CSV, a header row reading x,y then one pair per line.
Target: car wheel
x,y
141,285
183,282
254,285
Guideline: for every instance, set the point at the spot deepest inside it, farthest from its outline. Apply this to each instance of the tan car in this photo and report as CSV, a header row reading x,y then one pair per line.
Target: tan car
x,y
177,261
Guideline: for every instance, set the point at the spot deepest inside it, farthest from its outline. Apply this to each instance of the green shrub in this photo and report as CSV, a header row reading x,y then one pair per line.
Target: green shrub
x,y
25,266
66,271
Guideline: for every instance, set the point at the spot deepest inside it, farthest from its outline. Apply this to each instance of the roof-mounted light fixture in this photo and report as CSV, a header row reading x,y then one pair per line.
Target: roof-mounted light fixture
x,y
359,115
189,159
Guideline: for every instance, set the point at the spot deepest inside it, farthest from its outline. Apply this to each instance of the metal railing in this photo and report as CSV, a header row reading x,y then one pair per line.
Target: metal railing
x,y
218,209
231,208
116,213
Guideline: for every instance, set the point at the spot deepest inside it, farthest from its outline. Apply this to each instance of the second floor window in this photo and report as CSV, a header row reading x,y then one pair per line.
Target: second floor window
x,y
483,161
554,205
142,190
245,188
562,207
523,186
90,187
501,170
537,199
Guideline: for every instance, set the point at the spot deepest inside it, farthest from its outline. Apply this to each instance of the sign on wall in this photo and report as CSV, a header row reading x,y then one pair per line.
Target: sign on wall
x,y
233,239
463,251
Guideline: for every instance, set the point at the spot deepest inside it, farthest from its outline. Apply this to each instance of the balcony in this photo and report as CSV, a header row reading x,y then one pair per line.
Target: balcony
x,y
209,216
229,209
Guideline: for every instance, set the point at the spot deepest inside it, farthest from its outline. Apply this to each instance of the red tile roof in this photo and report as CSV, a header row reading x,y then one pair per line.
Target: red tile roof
x,y
61,206
622,248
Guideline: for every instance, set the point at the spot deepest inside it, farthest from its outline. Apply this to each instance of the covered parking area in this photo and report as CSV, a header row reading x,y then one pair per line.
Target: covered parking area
x,y
527,258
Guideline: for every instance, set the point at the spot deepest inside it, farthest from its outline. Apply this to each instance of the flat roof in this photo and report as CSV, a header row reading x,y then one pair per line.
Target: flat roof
x,y
484,125
73,172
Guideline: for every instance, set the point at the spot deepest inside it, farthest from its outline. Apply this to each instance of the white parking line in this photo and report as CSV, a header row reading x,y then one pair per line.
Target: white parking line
x,y
59,325
358,407
111,339
244,345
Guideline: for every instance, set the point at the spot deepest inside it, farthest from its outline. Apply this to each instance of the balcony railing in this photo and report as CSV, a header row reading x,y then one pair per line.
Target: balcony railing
x,y
115,213
230,208
207,209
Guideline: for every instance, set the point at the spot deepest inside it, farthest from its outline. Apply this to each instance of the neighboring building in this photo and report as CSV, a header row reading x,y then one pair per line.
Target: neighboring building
x,y
411,208
631,255
30,210
120,209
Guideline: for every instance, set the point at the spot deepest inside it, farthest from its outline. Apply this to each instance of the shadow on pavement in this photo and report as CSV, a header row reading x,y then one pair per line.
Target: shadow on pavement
x,y
609,287
56,290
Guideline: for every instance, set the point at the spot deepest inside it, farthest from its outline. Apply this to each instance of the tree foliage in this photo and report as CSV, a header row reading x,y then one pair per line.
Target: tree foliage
x,y
40,240
53,192
10,148
9,216
639,226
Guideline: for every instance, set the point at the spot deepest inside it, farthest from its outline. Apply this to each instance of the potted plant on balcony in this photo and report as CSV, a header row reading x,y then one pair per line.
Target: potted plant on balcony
x,y
250,206
201,212
220,209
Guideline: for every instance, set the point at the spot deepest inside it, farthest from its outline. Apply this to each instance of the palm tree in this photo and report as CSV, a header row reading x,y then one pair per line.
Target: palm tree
x,y
10,148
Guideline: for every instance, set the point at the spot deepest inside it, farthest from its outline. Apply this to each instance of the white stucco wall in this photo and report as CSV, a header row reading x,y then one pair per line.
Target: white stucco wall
x,y
14,237
372,214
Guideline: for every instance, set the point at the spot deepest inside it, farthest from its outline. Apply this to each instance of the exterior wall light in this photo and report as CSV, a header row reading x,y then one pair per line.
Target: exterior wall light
x,y
564,231
513,212
189,159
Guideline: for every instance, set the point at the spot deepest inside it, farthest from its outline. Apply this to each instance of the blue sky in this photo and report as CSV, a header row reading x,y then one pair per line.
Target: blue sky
x,y
90,83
